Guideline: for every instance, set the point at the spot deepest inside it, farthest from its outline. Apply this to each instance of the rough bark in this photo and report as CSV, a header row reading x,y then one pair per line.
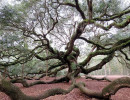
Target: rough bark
x,y
98,79
114,86
26,84
10,89
107,91
88,92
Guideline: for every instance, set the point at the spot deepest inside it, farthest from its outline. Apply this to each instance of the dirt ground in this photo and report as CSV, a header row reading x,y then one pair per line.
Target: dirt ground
x,y
123,94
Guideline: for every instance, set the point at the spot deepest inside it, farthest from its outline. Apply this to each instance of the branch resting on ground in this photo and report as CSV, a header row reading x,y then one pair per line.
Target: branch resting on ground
x,y
26,84
107,91
10,89
98,79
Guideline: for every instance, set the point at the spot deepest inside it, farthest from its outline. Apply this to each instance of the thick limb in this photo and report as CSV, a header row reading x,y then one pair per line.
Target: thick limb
x,y
10,89
26,84
114,86
98,79
107,91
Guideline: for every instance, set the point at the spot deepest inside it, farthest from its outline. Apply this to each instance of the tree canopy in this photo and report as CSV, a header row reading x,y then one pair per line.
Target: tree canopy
x,y
64,34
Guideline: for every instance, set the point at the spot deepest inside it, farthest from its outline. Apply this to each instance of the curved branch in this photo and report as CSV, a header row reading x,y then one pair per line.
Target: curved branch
x,y
126,56
77,34
10,89
91,42
53,72
67,4
116,25
107,91
46,58
26,84
117,84
76,5
117,46
98,66
98,79
79,9
89,92
55,66
17,61
112,16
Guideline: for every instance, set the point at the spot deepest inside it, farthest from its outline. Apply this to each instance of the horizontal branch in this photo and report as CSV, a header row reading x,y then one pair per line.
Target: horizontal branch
x,y
55,66
16,61
112,16
107,91
91,42
67,4
114,86
98,79
117,46
26,84
45,58
114,24
99,65
10,89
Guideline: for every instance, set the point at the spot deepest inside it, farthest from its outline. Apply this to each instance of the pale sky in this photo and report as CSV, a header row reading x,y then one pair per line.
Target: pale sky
x,y
3,2
127,2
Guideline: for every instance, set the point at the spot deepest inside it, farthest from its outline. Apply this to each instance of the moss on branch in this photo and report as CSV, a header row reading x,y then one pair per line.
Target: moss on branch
x,y
117,46
10,89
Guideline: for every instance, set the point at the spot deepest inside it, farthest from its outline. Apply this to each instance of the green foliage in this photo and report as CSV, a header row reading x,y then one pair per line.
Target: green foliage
x,y
29,67
9,15
15,70
113,7
73,65
29,15
25,5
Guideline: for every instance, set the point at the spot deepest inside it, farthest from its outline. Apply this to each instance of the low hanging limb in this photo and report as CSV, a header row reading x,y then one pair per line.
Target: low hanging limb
x,y
98,79
88,92
26,84
6,74
107,91
114,86
10,89
52,72
126,56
